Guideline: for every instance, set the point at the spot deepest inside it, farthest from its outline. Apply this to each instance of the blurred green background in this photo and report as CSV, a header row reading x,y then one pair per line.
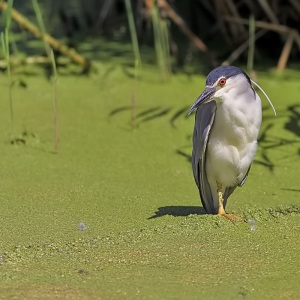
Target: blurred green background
x,y
169,33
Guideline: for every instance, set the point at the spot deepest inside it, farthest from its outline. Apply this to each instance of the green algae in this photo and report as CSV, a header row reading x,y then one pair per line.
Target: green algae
x,y
146,236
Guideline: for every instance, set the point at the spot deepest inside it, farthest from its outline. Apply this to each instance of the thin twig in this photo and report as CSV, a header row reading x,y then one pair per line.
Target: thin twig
x,y
293,35
285,52
260,24
268,10
297,39
236,53
296,5
238,31
162,4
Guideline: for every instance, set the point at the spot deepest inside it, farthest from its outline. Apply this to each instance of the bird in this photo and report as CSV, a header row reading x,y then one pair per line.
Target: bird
x,y
227,123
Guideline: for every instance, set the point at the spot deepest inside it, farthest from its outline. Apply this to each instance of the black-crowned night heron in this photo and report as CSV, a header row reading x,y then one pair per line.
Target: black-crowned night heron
x,y
227,125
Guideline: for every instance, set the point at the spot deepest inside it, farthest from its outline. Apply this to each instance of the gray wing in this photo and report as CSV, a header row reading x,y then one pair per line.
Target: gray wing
x,y
204,119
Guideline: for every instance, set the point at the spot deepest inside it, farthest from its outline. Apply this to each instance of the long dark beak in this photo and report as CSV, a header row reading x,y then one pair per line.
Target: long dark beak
x,y
203,98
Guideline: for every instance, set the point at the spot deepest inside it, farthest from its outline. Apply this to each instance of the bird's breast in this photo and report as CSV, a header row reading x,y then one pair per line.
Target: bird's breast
x,y
233,140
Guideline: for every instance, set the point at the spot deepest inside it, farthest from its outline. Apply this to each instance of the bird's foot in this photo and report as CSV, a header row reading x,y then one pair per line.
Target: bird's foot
x,y
221,209
231,217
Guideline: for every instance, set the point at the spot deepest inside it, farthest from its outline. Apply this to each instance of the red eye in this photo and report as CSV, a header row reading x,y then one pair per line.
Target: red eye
x,y
222,81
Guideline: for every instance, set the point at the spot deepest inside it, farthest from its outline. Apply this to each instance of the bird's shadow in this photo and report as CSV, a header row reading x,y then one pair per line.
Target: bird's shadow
x,y
144,115
178,211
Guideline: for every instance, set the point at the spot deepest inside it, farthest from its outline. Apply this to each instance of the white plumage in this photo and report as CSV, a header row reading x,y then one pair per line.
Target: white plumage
x,y
233,137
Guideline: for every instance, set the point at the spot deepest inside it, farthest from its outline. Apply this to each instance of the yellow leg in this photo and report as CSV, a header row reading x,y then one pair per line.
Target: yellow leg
x,y
221,210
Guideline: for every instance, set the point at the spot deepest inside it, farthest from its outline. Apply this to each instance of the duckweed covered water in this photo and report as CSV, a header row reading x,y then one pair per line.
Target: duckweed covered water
x,y
116,214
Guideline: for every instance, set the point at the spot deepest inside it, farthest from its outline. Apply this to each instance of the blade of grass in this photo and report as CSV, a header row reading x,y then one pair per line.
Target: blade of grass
x,y
55,102
137,58
251,43
54,76
133,33
3,44
5,41
165,44
161,40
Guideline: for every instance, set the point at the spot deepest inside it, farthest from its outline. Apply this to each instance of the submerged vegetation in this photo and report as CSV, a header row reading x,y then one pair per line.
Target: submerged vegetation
x,y
115,213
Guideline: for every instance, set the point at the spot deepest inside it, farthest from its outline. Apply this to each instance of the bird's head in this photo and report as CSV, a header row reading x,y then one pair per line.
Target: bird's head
x,y
222,80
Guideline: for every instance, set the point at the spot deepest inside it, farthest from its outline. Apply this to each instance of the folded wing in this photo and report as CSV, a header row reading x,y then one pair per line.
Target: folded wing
x,y
204,119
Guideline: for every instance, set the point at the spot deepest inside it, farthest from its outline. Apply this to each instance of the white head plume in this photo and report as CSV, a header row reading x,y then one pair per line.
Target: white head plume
x,y
265,96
